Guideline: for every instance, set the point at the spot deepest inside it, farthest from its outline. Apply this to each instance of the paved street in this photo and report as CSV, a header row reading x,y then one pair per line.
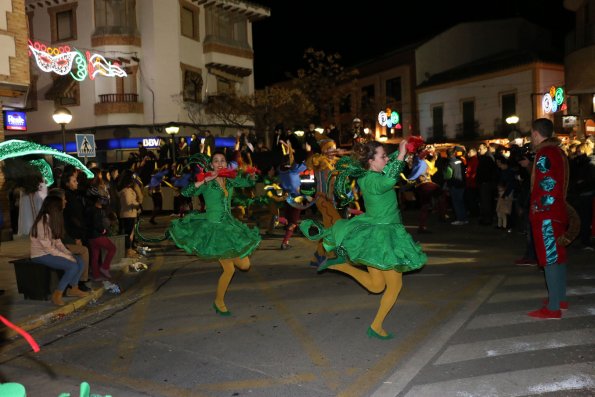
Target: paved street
x,y
460,329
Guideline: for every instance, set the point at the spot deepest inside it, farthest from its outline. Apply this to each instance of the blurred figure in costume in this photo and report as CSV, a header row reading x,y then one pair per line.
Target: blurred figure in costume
x,y
181,203
155,191
242,162
276,199
430,194
376,239
358,133
215,234
289,175
323,165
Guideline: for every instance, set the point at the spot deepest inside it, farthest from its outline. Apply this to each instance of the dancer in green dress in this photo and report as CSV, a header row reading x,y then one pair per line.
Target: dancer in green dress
x,y
216,234
377,238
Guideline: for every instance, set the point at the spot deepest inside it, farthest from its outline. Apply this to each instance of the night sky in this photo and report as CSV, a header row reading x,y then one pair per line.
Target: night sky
x,y
359,33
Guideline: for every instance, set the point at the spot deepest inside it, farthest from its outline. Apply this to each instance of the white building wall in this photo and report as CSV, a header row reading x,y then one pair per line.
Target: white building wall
x,y
161,60
486,93
468,42
159,75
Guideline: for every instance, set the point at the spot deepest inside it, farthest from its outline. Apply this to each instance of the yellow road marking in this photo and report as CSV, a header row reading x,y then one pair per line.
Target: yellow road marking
x,y
130,337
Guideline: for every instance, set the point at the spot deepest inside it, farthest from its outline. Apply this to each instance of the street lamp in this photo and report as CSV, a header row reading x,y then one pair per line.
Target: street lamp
x,y
172,131
62,116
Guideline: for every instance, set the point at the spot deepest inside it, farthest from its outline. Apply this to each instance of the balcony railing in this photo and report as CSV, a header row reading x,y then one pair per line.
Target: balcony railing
x,y
118,98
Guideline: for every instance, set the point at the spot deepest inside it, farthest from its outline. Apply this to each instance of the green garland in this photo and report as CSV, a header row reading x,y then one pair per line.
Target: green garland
x,y
17,148
45,170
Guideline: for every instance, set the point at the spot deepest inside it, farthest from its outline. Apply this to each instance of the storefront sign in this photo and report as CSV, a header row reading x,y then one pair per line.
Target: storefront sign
x,y
15,121
553,100
151,142
389,118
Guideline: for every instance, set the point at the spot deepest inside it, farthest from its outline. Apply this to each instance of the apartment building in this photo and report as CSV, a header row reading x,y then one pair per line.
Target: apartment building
x,y
460,84
474,76
14,80
579,62
127,69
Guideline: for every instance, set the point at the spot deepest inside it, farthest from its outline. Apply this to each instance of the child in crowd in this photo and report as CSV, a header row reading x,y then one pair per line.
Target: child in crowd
x,y
503,206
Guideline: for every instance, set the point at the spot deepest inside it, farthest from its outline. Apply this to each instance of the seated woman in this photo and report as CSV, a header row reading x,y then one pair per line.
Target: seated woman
x,y
48,250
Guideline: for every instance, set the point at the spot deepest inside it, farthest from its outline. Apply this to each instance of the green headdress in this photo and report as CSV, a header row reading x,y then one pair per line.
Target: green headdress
x,y
346,170
200,159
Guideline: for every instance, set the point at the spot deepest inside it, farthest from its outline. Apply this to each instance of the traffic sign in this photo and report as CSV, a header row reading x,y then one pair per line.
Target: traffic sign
x,y
85,145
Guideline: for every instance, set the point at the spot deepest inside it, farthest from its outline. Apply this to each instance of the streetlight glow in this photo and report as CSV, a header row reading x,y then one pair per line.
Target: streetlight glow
x,y
512,119
172,130
62,116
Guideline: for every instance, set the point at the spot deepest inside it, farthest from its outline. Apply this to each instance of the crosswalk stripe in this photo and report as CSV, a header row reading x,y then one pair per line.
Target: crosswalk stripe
x,y
523,294
520,344
511,318
538,278
401,378
513,384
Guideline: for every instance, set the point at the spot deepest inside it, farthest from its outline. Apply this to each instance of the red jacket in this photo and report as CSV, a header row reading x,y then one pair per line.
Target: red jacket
x,y
549,184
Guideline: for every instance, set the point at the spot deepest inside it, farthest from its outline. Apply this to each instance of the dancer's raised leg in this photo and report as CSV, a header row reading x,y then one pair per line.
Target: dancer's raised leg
x,y
372,280
242,263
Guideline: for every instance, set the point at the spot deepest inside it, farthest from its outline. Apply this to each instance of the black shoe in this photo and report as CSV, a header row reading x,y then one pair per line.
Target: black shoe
x,y
285,246
423,230
83,287
152,222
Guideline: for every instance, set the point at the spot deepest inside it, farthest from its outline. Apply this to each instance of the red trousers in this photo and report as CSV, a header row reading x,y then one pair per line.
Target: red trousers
x,y
97,244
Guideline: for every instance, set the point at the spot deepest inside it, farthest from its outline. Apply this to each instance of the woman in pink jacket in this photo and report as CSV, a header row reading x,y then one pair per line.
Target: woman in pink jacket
x,y
47,248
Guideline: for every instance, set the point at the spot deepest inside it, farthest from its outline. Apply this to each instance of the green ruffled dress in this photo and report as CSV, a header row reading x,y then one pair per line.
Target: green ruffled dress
x,y
215,234
376,238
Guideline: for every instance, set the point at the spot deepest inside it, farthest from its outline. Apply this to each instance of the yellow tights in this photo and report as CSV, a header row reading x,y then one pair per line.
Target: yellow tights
x,y
375,281
228,266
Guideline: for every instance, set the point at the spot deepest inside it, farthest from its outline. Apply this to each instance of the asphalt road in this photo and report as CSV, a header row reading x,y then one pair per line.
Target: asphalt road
x,y
460,329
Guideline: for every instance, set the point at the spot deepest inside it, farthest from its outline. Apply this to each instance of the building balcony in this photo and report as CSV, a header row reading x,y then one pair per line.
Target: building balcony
x,y
118,103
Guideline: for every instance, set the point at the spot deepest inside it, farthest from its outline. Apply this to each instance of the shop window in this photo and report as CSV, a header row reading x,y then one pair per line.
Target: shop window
x,y
367,97
393,90
508,105
63,22
468,118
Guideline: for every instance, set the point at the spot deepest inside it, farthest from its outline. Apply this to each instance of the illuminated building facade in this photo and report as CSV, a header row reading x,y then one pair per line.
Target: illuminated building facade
x,y
126,69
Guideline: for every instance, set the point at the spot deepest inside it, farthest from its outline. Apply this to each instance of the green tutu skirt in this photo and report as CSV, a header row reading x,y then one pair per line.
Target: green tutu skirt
x,y
209,240
385,246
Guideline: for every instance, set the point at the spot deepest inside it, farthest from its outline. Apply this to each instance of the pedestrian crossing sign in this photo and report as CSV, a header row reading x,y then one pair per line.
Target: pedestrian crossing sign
x,y
85,145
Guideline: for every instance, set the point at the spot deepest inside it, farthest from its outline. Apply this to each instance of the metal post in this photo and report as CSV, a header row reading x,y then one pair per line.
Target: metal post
x,y
63,137
173,149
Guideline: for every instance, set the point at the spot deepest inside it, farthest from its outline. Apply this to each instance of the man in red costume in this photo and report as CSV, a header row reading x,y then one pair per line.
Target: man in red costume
x,y
548,215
